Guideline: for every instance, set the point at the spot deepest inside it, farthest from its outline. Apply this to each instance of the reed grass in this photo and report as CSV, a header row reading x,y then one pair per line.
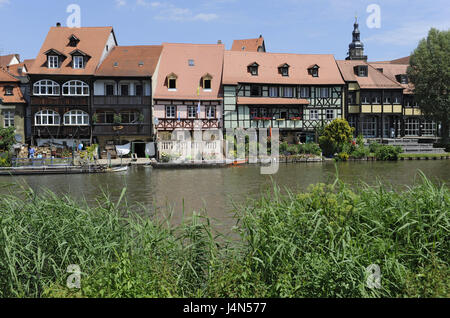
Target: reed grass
x,y
312,244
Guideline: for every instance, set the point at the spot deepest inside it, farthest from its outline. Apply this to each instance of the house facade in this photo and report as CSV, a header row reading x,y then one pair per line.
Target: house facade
x,y
293,92
62,84
122,101
12,104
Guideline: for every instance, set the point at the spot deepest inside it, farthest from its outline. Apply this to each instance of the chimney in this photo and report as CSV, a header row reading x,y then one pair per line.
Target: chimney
x,y
58,24
219,42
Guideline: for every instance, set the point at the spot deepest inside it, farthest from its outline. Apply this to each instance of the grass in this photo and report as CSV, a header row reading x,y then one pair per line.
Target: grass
x,y
312,244
424,155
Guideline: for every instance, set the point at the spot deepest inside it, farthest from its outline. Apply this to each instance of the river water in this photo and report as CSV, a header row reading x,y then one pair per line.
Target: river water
x,y
212,191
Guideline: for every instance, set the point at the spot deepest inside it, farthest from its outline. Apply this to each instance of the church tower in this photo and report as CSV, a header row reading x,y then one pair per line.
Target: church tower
x,y
356,48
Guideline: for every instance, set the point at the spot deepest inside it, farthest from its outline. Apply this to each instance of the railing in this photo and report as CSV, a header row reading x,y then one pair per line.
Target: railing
x,y
125,129
60,101
122,100
41,162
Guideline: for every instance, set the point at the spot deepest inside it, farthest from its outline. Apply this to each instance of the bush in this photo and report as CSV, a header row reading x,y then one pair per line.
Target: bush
x,y
388,153
342,156
311,149
374,147
335,135
360,153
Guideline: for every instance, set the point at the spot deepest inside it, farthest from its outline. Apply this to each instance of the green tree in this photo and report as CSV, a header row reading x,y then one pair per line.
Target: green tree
x,y
337,134
429,72
7,138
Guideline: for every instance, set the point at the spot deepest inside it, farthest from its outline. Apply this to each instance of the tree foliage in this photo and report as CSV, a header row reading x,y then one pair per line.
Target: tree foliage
x,y
335,136
429,72
7,138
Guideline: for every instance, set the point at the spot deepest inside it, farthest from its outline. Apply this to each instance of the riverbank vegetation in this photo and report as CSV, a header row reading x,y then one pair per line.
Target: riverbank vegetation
x,y
313,244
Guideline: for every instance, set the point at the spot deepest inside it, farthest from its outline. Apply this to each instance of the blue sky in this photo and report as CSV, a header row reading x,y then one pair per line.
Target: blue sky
x,y
291,26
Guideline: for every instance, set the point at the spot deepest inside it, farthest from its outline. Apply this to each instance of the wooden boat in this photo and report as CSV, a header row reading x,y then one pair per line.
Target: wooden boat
x,y
239,162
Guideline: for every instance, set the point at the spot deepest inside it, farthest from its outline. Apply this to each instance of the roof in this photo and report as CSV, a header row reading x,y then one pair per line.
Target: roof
x,y
391,70
8,80
131,61
248,45
270,101
207,58
93,41
6,59
235,68
375,78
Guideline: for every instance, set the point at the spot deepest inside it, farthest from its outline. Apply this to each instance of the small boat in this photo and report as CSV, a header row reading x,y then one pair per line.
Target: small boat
x,y
239,162
119,169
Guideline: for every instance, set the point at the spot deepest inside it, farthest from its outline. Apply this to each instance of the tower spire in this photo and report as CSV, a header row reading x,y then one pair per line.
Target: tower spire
x,y
356,48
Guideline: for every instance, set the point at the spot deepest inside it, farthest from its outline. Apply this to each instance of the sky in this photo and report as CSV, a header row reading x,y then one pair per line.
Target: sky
x,y
288,26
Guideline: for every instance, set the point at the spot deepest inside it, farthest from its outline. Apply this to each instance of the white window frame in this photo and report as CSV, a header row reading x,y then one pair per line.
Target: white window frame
x,y
288,92
412,127
171,111
76,118
8,118
78,62
53,61
192,111
56,118
73,86
211,112
46,85
314,114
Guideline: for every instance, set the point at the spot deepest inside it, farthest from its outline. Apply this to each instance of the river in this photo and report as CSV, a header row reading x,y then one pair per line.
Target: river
x,y
212,191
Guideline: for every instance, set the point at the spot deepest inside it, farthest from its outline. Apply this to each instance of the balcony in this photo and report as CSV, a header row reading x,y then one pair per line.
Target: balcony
x,y
122,129
189,124
60,101
122,100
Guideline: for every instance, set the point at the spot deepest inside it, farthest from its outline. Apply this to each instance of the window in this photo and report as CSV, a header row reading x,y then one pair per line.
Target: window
x,y
253,69
53,61
365,99
304,92
207,84
330,114
46,87
8,117
139,90
288,92
324,92
75,88
253,113
273,91
211,111
47,118
284,70
314,71
109,89
255,90
8,91
191,63
105,117
78,62
352,98
172,83
362,71
170,111
397,99
192,112
76,118
387,100
314,114
369,127
264,112
412,127
376,99
429,128
129,117
124,90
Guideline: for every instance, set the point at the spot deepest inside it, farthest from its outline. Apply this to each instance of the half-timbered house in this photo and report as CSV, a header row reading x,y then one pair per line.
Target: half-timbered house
x,y
293,92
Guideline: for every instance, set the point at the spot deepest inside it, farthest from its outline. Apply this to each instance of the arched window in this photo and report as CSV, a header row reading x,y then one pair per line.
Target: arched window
x,y
46,87
47,118
76,118
75,88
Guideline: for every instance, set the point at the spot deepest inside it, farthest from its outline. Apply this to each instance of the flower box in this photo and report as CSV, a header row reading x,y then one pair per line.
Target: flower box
x,y
296,118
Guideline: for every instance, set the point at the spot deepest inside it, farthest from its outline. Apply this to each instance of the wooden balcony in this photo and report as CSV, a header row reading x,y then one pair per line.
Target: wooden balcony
x,y
189,124
61,132
123,129
122,100
60,101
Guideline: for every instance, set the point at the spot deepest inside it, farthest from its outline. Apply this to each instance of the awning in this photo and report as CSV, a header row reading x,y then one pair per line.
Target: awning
x,y
271,101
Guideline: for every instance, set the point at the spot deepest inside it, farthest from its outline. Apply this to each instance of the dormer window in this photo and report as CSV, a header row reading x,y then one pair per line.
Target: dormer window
x,y
253,69
73,41
313,70
53,61
283,69
206,82
172,82
8,91
361,70
78,62
402,78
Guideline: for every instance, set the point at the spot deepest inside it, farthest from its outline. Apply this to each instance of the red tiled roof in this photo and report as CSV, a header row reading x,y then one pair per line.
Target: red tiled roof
x,y
270,101
248,45
392,70
235,68
207,58
131,61
5,76
6,59
375,78
93,41
7,79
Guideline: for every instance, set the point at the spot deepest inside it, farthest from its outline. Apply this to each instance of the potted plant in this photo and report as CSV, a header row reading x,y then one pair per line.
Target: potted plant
x,y
117,119
95,118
